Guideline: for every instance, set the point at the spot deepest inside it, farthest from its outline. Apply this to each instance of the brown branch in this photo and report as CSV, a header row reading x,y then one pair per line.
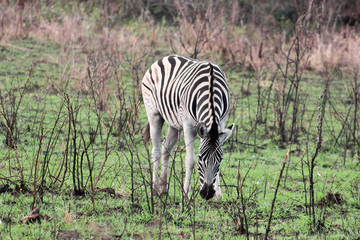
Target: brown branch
x,y
37,160
274,199
107,152
15,149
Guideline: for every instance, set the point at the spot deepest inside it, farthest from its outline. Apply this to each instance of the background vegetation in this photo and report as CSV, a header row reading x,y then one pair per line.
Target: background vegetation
x,y
73,163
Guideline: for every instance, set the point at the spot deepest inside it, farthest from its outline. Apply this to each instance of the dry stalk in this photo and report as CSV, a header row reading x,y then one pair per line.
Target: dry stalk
x,y
240,185
107,153
37,161
275,194
320,121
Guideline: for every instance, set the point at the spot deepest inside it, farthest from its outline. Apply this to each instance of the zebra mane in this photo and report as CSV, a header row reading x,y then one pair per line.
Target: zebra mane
x,y
213,134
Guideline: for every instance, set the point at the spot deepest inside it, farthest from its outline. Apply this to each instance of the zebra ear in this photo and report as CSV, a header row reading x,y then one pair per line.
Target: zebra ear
x,y
202,130
226,133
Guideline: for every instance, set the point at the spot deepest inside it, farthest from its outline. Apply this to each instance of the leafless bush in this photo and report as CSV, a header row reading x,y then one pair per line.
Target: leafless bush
x,y
12,19
99,76
345,112
10,101
355,123
53,133
197,33
131,128
312,156
291,64
11,98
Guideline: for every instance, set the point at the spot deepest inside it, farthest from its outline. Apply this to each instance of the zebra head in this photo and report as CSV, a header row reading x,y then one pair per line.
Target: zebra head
x,y
210,155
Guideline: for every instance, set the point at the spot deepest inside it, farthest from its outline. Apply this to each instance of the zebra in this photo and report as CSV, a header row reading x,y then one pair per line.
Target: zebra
x,y
193,97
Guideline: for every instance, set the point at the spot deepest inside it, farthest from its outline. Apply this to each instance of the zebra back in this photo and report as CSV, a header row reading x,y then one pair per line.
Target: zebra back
x,y
179,87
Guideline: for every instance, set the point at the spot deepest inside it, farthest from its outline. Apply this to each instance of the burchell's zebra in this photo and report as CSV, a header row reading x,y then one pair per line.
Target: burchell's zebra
x,y
191,96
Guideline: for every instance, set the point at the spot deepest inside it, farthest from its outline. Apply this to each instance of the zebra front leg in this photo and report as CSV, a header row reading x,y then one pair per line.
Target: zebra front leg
x,y
189,135
168,145
217,187
156,123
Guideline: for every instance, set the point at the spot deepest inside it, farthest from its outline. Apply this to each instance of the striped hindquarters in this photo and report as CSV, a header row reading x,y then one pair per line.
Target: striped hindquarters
x,y
177,86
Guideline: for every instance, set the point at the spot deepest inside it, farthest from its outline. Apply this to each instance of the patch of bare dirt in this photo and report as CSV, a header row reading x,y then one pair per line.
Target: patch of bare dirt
x,y
72,234
332,199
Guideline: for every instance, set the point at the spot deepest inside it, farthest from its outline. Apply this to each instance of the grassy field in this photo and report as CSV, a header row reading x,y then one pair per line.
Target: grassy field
x,y
72,115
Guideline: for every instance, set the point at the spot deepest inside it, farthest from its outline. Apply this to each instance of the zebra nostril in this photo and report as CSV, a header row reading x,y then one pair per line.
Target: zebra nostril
x,y
207,192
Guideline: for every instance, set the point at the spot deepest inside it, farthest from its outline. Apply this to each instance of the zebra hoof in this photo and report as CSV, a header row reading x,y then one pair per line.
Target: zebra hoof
x,y
218,196
218,193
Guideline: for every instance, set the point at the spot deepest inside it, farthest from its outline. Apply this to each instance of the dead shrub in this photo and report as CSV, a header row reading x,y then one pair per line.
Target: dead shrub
x,y
335,51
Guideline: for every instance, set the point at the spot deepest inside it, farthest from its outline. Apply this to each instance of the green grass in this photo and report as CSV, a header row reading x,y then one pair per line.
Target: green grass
x,y
112,216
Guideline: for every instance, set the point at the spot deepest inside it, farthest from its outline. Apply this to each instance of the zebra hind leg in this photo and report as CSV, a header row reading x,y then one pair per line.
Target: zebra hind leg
x,y
156,123
167,149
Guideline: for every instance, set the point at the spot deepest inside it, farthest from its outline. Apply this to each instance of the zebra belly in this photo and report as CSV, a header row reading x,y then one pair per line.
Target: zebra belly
x,y
174,119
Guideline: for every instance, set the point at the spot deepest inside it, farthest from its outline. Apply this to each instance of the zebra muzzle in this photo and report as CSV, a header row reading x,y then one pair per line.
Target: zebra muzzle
x,y
207,191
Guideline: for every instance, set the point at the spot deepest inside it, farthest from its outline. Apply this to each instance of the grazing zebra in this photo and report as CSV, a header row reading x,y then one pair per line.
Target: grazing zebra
x,y
193,97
